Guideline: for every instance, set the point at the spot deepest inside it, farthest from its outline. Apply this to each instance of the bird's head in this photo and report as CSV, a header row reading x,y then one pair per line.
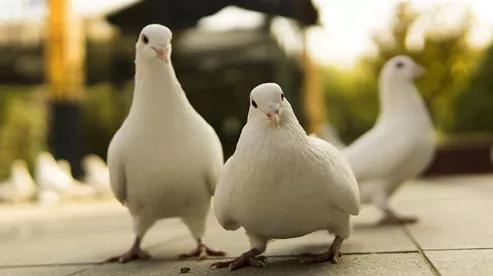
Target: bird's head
x,y
267,102
402,68
154,43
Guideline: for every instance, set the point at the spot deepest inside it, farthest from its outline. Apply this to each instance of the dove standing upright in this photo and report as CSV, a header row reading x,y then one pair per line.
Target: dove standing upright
x,y
20,186
401,144
281,183
165,159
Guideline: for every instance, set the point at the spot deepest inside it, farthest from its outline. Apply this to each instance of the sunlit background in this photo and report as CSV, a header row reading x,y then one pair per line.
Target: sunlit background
x,y
66,72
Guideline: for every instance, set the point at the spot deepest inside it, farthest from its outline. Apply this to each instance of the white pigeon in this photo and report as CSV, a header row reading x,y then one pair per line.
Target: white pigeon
x,y
281,183
401,144
56,181
165,159
96,174
49,175
20,186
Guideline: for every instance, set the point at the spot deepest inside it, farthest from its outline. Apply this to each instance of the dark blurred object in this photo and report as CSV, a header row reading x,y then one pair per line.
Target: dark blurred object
x,y
65,135
464,157
185,13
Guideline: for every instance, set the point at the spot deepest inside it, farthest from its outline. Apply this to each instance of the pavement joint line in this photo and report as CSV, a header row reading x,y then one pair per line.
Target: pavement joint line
x,y
81,270
421,252
44,265
458,249
92,264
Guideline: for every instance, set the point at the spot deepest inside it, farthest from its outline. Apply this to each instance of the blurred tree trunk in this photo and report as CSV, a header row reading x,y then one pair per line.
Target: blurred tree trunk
x,y
64,56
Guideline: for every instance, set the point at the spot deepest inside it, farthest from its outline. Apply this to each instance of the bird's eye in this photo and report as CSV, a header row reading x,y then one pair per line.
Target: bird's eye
x,y
145,39
254,104
282,96
399,64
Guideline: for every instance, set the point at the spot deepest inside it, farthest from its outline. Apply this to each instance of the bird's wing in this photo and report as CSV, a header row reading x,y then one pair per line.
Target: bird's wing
x,y
222,197
216,162
117,174
377,154
342,188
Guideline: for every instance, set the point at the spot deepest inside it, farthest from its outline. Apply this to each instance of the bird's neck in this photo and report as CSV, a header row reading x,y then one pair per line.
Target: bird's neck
x,y
157,89
401,99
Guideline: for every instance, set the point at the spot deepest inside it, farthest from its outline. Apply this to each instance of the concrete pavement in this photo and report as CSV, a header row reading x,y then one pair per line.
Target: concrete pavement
x,y
453,237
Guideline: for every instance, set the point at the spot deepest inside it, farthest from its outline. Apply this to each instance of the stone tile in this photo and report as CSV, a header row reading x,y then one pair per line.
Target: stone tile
x,y
61,270
463,262
86,237
372,264
451,224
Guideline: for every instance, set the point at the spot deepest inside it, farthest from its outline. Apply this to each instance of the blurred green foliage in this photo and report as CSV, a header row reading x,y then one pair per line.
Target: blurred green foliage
x,y
352,97
104,109
23,120
474,107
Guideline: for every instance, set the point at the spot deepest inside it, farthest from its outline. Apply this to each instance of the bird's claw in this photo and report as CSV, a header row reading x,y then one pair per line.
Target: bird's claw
x,y
329,256
129,256
202,252
242,261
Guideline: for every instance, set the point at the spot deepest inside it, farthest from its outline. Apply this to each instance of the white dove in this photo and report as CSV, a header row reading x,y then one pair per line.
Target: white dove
x,y
56,181
20,185
281,183
165,159
96,174
49,175
401,144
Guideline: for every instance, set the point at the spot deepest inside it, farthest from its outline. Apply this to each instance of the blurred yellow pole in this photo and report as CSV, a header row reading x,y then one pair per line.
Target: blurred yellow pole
x,y
65,52
314,103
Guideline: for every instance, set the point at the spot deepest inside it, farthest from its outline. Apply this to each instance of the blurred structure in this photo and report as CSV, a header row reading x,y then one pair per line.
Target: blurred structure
x,y
64,61
218,68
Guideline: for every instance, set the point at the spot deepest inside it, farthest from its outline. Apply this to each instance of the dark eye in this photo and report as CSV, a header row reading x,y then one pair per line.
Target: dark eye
x,y
254,104
399,64
282,96
145,39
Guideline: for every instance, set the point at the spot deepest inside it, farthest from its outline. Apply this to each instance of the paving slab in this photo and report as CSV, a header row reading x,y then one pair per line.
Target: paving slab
x,y
88,236
60,270
367,264
453,212
463,262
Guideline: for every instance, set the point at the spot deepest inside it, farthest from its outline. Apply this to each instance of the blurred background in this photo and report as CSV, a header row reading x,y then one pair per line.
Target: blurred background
x,y
66,69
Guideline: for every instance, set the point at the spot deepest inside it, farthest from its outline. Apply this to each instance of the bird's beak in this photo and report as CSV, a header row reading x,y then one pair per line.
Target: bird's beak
x,y
274,118
162,53
420,71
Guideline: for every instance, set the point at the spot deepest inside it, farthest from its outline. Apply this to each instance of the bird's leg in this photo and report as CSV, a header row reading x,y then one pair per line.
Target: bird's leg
x,y
391,218
331,255
135,253
202,252
249,258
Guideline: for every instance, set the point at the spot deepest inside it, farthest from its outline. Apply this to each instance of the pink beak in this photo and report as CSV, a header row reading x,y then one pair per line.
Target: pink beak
x,y
162,53
274,118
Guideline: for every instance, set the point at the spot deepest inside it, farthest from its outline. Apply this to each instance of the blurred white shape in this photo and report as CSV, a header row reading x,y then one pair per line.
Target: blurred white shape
x,y
231,18
287,34
56,178
96,174
49,175
330,134
20,186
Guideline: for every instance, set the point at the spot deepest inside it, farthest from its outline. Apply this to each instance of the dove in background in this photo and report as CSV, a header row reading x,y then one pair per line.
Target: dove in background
x,y
165,159
281,183
400,146
96,174
20,186
56,181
